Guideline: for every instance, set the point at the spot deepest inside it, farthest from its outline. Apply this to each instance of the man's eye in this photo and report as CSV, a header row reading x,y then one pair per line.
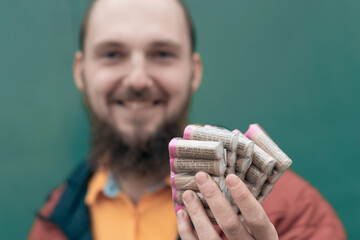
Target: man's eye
x,y
164,54
111,54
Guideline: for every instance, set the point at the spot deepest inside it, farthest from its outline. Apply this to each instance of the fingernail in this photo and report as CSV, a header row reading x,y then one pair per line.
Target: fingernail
x,y
201,178
232,180
188,196
180,215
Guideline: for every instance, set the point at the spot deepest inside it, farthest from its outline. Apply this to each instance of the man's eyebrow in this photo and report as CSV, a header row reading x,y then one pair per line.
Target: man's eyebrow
x,y
103,44
170,44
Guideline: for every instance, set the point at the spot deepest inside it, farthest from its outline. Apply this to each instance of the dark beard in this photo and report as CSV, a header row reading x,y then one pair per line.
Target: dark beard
x,y
141,157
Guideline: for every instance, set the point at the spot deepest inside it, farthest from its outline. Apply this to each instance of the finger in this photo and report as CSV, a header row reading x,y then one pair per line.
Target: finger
x,y
184,226
253,213
201,221
225,215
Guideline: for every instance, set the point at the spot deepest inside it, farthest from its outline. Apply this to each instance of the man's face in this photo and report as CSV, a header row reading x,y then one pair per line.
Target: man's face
x,y
137,70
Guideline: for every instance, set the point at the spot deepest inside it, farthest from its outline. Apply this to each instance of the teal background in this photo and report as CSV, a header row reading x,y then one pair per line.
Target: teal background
x,y
292,66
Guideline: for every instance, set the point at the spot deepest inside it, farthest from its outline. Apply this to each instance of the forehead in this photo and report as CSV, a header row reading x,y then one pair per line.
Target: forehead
x,y
137,22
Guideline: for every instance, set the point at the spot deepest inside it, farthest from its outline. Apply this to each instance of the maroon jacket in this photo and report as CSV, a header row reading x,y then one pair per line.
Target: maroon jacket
x,y
296,209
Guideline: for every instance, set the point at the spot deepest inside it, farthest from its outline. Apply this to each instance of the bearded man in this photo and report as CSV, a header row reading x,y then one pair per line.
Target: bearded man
x,y
137,69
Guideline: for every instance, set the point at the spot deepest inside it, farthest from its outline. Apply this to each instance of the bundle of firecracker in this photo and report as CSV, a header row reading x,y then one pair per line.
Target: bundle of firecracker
x,y
254,157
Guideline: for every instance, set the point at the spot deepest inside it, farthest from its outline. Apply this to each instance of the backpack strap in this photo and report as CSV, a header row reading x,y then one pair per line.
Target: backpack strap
x,y
71,214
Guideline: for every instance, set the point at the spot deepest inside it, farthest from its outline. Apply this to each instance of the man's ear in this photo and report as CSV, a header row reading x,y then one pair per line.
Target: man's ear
x,y
77,70
197,72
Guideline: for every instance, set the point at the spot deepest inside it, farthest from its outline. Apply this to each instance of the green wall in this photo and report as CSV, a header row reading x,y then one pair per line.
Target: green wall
x,y
292,66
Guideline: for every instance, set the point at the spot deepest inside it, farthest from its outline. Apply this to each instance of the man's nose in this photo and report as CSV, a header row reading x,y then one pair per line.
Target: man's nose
x,y
138,78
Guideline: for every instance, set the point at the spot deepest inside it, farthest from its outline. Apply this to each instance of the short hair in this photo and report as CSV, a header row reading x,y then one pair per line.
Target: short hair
x,y
189,22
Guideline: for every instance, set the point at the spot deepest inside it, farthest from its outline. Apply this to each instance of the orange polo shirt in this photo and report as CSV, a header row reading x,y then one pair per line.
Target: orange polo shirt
x,y
115,216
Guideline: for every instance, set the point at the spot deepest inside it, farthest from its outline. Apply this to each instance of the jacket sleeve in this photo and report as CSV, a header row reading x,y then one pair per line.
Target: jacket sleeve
x,y
42,228
298,211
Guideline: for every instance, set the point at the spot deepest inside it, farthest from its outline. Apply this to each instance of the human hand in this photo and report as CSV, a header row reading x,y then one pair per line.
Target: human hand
x,y
256,224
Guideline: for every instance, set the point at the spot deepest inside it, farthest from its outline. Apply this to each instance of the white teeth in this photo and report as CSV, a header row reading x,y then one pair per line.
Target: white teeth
x,y
138,105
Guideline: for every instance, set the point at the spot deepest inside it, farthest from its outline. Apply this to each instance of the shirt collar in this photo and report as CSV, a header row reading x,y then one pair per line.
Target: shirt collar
x,y
95,185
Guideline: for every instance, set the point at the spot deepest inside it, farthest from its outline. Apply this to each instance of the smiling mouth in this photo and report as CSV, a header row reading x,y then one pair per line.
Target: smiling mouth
x,y
138,105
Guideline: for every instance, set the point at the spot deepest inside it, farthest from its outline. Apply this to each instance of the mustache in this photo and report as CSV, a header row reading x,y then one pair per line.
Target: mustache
x,y
145,94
